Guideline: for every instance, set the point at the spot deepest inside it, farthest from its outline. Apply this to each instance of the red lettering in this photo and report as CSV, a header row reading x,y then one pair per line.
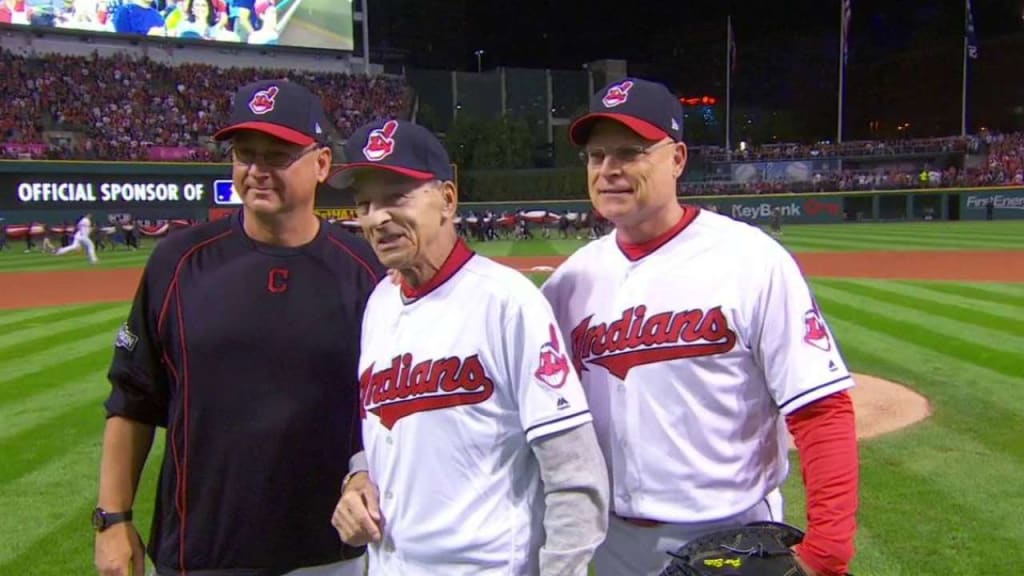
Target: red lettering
x,y
407,387
634,340
420,379
445,374
277,280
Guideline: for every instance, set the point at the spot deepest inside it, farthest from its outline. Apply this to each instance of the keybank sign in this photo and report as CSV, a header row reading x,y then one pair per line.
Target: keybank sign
x,y
805,210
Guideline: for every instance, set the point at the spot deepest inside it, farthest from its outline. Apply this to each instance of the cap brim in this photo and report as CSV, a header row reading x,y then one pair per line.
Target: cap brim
x,y
343,176
579,132
275,130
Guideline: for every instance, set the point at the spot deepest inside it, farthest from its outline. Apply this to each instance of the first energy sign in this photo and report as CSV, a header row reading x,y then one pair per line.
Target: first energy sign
x,y
110,192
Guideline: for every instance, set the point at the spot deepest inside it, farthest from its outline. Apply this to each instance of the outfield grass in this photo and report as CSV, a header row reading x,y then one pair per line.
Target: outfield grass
x,y
941,498
1007,235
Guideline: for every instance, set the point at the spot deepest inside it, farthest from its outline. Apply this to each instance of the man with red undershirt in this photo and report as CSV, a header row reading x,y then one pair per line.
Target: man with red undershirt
x,y
697,341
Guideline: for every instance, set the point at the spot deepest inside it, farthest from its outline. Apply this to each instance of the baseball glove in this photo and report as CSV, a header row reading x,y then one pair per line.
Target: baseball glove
x,y
756,549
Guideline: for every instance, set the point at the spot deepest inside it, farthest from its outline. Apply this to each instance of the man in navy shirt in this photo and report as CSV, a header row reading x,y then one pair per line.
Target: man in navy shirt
x,y
243,343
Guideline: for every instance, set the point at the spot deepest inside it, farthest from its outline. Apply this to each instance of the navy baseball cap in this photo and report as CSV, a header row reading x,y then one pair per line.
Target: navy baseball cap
x,y
280,108
645,107
397,146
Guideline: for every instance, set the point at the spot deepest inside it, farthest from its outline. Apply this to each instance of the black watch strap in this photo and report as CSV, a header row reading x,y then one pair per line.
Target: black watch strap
x,y
101,519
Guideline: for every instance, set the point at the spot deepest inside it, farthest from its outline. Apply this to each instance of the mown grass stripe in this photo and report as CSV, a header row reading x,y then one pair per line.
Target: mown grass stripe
x,y
895,490
15,319
966,398
917,289
63,349
67,548
59,327
952,345
994,293
57,265
46,406
1000,332
923,233
33,448
55,486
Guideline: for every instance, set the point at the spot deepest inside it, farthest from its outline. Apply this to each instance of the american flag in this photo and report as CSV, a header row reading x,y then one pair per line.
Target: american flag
x,y
972,40
732,47
847,14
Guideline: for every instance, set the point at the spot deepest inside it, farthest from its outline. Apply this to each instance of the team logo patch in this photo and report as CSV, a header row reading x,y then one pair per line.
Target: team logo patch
x,y
263,101
381,142
636,339
815,332
617,94
407,387
125,338
554,367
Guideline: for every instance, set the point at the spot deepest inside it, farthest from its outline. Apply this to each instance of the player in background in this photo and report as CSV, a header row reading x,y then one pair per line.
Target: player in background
x,y
480,456
82,239
697,341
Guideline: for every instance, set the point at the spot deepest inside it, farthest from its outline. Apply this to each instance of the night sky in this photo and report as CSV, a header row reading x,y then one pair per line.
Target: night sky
x,y
904,63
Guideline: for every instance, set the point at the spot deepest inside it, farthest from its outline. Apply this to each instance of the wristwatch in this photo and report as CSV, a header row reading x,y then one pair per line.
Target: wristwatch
x,y
101,519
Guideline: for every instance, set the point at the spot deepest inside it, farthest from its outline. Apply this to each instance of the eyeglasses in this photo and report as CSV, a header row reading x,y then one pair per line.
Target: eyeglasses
x,y
275,160
623,154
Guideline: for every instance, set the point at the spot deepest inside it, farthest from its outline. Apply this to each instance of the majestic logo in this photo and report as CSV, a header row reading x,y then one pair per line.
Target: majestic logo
x,y
125,338
381,142
617,94
554,367
263,101
635,339
407,387
815,333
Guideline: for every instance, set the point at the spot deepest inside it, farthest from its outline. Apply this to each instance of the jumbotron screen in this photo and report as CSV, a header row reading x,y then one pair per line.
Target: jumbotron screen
x,y
306,23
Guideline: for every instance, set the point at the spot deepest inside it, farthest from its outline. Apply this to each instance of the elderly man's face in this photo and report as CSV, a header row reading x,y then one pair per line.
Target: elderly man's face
x,y
401,216
628,177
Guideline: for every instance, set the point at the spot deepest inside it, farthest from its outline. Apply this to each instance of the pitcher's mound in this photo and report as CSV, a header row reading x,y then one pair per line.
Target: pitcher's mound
x,y
882,406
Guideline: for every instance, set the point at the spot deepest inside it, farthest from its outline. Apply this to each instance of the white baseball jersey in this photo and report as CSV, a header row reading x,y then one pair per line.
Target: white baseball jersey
x,y
689,349
84,227
456,381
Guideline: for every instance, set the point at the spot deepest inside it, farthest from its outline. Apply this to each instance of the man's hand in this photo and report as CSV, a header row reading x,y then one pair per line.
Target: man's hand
x,y
357,516
119,551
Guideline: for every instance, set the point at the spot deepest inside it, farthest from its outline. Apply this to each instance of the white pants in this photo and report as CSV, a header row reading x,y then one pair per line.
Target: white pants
x,y
80,242
631,550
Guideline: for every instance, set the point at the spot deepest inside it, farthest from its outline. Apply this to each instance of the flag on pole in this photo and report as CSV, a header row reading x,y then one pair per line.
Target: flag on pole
x,y
972,40
847,15
732,47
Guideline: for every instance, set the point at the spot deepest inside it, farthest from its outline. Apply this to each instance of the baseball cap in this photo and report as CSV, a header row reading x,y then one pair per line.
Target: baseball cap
x,y
280,108
398,146
645,107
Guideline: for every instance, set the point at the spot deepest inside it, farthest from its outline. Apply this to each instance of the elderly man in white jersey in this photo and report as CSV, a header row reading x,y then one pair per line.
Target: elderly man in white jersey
x,y
82,239
480,454
697,340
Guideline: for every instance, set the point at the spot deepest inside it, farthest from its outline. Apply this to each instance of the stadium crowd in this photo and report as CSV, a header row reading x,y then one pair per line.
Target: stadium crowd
x,y
117,108
127,109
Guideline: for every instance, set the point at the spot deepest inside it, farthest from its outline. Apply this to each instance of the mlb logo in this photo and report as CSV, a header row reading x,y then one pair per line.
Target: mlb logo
x,y
224,193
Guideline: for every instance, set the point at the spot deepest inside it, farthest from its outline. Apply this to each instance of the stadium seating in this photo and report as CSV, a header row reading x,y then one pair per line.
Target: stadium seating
x,y
122,109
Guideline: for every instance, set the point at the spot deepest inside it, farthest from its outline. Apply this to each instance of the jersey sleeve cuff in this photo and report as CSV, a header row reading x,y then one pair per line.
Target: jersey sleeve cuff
x,y
556,425
817,393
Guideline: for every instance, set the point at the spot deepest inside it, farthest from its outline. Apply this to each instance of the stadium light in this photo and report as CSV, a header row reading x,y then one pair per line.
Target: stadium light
x,y
479,66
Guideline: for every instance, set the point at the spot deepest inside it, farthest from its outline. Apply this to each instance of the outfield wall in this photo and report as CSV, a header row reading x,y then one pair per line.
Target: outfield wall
x,y
831,207
56,191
